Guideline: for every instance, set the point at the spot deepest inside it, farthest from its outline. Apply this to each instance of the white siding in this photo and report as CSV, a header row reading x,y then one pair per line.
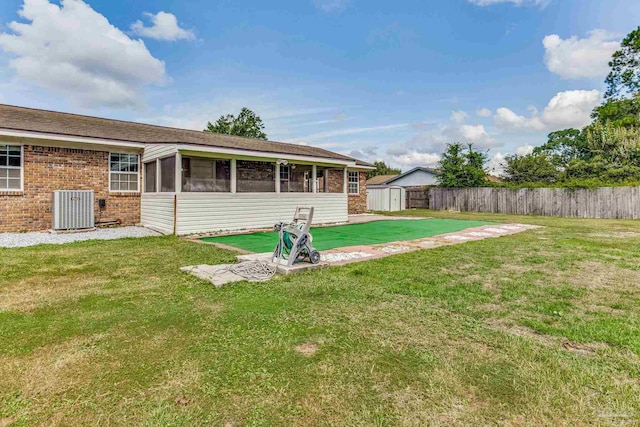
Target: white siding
x,y
156,151
416,178
207,212
157,211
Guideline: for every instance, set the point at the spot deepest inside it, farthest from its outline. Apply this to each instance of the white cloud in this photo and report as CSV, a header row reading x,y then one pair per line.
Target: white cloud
x,y
331,6
525,150
414,159
507,119
575,58
74,51
566,109
540,3
496,164
459,116
474,133
165,27
351,131
484,112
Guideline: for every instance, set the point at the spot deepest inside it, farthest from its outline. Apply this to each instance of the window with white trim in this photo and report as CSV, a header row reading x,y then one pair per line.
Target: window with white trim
x,y
124,172
354,182
10,168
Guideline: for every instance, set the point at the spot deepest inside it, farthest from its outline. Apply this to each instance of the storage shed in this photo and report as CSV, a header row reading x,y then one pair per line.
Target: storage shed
x,y
387,198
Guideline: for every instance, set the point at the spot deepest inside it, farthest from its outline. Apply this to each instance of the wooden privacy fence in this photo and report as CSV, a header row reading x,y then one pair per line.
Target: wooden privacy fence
x,y
604,202
417,197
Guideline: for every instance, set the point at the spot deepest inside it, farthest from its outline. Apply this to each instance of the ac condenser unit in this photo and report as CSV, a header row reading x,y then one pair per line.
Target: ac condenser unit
x,y
72,210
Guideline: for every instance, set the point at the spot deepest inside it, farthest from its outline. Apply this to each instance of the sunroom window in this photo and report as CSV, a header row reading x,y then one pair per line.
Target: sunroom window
x,y
10,168
255,177
206,175
124,172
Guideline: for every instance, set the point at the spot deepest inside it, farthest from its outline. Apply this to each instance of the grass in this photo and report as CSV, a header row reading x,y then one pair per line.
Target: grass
x,y
371,233
537,328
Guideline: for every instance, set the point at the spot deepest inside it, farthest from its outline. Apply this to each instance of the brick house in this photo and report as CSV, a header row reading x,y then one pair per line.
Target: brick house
x,y
172,180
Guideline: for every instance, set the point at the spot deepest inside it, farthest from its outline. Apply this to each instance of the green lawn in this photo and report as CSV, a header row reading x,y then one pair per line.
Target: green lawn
x,y
111,333
370,233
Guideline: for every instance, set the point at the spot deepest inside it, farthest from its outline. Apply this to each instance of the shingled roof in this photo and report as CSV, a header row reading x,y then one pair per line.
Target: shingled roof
x,y
52,122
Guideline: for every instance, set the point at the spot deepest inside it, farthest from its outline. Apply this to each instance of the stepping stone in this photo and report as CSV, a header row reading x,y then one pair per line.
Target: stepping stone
x,y
479,234
496,230
456,237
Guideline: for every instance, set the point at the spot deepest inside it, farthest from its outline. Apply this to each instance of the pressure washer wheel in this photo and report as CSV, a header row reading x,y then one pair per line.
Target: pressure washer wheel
x,y
314,257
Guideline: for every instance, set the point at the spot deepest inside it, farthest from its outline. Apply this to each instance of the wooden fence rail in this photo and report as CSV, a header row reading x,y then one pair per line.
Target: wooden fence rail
x,y
604,202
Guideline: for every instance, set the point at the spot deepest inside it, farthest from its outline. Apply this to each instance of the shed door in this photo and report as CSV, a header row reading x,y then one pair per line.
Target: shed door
x,y
395,199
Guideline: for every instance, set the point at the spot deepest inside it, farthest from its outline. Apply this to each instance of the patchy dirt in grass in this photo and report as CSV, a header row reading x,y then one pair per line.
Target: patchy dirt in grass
x,y
307,349
29,295
596,274
547,340
617,235
52,369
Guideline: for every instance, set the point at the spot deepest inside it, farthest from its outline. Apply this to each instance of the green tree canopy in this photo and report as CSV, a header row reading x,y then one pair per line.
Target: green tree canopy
x,y
462,166
247,124
382,169
532,168
563,146
624,78
621,112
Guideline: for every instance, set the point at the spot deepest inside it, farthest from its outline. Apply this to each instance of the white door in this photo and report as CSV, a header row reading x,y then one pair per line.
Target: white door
x,y
395,199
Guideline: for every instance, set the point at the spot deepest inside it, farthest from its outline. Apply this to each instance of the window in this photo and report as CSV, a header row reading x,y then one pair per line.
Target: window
x,y
354,182
168,175
285,176
10,168
206,175
150,177
124,172
255,177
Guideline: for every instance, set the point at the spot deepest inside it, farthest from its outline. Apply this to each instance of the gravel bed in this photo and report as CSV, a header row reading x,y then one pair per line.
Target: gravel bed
x,y
16,240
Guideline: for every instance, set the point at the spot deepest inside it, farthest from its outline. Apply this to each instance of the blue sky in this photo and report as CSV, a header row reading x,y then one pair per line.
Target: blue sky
x,y
375,79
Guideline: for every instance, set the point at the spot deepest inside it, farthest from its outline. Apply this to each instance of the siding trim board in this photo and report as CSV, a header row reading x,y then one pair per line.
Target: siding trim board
x,y
196,213
212,212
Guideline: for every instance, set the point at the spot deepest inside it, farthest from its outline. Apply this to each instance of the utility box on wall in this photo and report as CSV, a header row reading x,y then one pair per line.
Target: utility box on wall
x,y
73,210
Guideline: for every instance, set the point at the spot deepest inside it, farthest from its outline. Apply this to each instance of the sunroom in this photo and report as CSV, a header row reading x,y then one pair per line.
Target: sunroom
x,y
191,189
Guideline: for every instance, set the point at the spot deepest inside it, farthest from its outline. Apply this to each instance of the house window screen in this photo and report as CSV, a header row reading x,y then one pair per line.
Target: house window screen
x,y
354,182
206,175
168,175
150,177
255,177
10,167
124,172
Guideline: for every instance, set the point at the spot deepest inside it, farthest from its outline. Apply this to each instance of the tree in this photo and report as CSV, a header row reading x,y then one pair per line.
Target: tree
x,y
462,166
624,77
246,124
382,169
621,112
532,168
618,146
563,146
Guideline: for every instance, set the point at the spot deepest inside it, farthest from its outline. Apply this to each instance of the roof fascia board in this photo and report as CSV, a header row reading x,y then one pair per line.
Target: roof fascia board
x,y
192,148
69,138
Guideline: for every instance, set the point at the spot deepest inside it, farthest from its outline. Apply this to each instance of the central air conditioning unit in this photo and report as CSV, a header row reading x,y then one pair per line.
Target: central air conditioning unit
x,y
73,210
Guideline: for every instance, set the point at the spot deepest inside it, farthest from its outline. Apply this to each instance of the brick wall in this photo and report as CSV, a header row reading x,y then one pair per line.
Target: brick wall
x,y
358,202
51,168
